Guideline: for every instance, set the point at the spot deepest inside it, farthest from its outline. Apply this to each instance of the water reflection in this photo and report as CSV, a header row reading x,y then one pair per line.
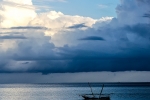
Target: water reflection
x,y
69,92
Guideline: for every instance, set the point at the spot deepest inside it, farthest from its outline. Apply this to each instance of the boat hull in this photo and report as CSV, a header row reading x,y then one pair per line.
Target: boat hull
x,y
94,98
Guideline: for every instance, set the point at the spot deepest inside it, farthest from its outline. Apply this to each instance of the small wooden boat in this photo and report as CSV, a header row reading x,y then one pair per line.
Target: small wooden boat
x,y
96,96
86,97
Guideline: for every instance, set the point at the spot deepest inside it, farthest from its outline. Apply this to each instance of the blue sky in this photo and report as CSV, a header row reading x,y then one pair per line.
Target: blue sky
x,y
88,8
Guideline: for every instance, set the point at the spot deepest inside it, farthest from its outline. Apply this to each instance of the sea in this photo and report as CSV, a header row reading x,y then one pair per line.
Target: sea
x,y
72,91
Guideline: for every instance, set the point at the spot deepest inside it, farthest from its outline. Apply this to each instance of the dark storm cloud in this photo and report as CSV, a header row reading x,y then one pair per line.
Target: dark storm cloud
x,y
77,26
139,29
91,63
25,63
127,46
147,15
87,57
144,1
92,38
75,60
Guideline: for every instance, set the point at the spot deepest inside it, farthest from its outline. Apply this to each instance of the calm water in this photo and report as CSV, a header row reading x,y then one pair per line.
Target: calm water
x,y
126,91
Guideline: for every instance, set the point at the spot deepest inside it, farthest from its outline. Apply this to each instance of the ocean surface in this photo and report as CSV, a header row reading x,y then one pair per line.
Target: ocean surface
x,y
71,91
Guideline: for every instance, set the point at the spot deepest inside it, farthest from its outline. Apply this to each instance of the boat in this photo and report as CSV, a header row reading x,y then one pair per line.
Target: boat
x,y
96,96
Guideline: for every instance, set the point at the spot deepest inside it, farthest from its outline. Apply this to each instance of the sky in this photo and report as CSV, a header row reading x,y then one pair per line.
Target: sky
x,y
57,40
96,9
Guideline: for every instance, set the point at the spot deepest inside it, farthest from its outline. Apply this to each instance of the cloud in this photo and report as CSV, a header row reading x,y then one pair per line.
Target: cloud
x,y
53,46
101,6
133,11
21,17
77,26
146,15
26,27
57,21
92,38
11,33
29,27
139,29
18,4
12,37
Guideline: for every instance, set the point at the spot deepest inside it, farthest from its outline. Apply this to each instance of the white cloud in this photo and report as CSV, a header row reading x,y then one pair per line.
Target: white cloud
x,y
26,2
101,6
57,21
14,16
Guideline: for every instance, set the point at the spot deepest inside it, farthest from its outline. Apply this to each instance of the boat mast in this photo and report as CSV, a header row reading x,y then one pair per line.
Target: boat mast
x,y
91,89
101,91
